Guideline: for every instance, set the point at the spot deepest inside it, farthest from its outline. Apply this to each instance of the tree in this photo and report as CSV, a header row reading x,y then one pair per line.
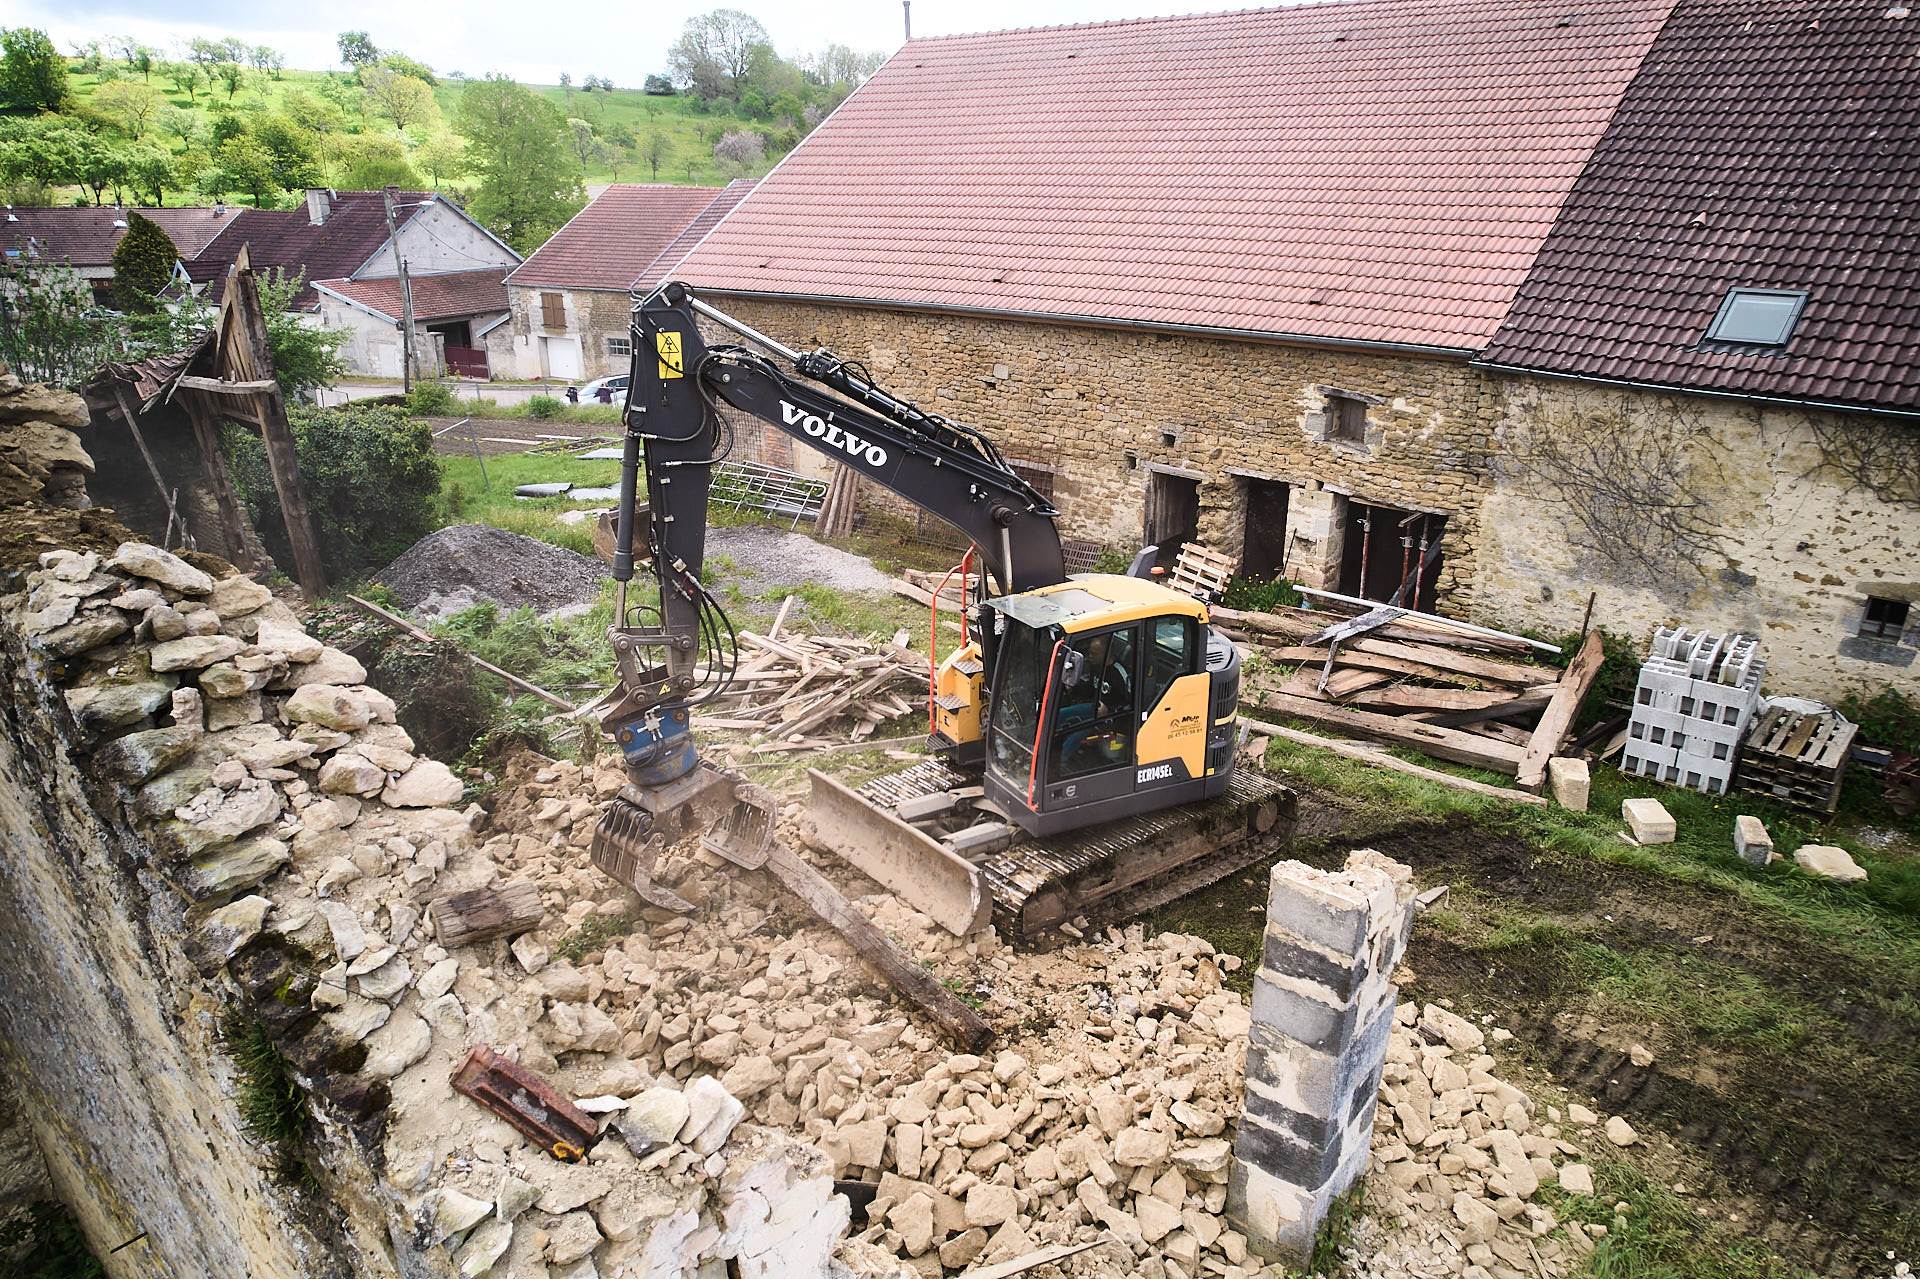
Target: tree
x,y
566,86
658,86
357,50
409,66
50,329
242,164
369,161
838,64
714,50
185,78
231,74
33,75
740,150
655,150
143,62
100,165
529,183
406,100
294,148
206,54
143,264
442,156
153,172
129,105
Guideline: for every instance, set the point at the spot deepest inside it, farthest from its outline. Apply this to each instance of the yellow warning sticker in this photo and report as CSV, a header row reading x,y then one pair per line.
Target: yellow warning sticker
x,y
672,363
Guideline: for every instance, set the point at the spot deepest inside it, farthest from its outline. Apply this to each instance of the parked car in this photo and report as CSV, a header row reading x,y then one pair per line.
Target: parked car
x,y
602,390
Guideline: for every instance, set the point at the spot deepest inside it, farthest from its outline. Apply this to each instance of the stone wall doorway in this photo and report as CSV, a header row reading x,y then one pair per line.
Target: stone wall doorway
x,y
1172,514
1387,552
1263,554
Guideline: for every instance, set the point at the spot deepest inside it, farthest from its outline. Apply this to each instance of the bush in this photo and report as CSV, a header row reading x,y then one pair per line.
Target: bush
x,y
372,484
1889,718
543,406
44,1242
1260,594
432,399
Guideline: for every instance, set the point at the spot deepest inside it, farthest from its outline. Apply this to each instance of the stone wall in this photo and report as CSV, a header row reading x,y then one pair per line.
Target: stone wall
x,y
1794,554
516,349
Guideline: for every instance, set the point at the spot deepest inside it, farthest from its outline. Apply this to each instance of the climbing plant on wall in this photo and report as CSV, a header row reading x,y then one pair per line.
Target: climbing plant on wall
x,y
1637,477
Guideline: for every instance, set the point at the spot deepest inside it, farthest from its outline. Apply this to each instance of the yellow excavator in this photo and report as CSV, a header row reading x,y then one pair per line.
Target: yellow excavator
x,y
1083,735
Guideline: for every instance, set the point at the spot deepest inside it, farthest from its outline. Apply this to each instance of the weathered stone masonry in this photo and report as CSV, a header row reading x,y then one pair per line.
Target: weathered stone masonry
x,y
1796,550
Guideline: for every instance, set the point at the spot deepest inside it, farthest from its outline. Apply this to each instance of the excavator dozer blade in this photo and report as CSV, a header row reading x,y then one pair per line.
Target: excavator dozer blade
x,y
899,857
744,836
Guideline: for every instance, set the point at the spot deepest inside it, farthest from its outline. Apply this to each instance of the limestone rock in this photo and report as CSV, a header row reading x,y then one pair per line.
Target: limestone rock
x,y
655,1117
1451,1029
236,595
486,1245
1157,1219
446,1212
294,644
513,1196
1620,1132
914,1221
748,1077
428,784
1827,860
1576,1179
329,706
356,1018
1139,1147
712,1112
138,756
193,652
989,1205
1751,840
572,1237
401,1041
349,936
331,667
438,980
228,814
142,559
86,632
350,774
224,679
226,870
581,1028
1648,820
101,708
231,927
1571,782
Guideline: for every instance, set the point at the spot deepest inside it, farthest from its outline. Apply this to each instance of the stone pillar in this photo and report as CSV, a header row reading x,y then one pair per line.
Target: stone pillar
x,y
1315,533
1322,1012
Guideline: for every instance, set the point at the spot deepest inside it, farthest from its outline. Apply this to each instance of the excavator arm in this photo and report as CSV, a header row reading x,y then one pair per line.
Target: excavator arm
x,y
674,427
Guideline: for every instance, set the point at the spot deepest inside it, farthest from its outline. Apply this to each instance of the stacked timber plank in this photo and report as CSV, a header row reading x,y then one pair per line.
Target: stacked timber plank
x,y
798,692
1410,679
1796,757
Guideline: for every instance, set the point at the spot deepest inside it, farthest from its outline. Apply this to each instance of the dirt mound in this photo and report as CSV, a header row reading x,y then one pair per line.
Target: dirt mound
x,y
768,558
467,564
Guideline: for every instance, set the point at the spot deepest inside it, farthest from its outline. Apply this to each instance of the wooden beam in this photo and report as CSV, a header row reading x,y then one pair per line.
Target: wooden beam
x,y
402,624
221,386
1380,759
243,350
213,468
1441,743
485,913
1481,668
1411,697
1349,657
962,1025
1558,717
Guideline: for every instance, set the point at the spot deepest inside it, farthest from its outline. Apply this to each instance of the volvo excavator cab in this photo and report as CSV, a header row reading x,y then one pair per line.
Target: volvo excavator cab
x,y
1108,700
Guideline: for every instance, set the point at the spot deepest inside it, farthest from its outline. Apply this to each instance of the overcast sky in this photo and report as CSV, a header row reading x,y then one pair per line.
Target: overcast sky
x,y
535,41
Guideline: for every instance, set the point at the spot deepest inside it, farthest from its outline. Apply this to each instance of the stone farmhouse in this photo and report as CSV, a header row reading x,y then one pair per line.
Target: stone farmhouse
x,y
1549,312
570,300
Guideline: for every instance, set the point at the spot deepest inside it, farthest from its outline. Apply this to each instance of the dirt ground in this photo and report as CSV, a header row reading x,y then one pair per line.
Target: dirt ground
x,y
1775,1076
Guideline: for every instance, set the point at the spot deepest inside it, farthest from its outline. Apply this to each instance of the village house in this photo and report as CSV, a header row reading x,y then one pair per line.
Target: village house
x,y
1465,301
338,243
570,301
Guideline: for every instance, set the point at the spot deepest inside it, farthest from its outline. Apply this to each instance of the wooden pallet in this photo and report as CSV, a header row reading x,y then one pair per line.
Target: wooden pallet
x,y
1797,759
1200,572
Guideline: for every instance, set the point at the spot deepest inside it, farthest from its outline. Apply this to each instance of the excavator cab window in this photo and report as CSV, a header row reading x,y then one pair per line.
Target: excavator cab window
x,y
1020,658
1093,723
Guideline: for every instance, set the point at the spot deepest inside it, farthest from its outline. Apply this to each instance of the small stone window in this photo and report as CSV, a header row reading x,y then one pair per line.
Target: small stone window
x,y
620,347
1884,619
1346,419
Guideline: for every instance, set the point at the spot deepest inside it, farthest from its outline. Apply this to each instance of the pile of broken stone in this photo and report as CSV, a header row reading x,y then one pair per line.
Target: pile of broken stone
x,y
258,761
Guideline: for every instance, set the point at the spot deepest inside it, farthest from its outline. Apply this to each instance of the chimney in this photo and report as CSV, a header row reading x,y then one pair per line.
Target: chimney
x,y
319,204
906,12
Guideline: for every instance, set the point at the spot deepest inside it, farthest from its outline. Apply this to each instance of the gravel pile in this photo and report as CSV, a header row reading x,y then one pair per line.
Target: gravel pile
x,y
468,564
768,558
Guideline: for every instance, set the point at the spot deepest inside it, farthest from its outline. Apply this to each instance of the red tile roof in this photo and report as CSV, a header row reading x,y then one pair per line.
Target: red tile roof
x,y
608,243
355,229
435,297
1764,144
1373,171
87,237
666,262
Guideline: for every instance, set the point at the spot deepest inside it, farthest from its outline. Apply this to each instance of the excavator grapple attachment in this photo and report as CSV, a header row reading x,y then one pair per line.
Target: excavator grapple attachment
x,y
744,835
642,821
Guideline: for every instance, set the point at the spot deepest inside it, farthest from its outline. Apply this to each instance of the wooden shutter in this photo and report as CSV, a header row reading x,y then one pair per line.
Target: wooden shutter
x,y
553,311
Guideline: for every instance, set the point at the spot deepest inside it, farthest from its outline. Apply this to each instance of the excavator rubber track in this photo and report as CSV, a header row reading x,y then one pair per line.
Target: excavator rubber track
x,y
1104,873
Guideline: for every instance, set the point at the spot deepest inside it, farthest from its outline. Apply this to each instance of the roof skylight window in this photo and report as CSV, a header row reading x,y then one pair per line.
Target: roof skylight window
x,y
1757,317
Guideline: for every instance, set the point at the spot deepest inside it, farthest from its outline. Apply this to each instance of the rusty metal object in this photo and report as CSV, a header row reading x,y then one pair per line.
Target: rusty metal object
x,y
526,1101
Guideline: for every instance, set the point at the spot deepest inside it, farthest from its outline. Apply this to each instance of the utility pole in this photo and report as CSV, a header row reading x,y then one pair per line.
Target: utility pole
x,y
406,298
906,11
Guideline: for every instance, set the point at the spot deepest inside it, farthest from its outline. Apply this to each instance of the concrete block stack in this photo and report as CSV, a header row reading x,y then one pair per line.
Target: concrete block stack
x,y
1696,694
1323,1003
